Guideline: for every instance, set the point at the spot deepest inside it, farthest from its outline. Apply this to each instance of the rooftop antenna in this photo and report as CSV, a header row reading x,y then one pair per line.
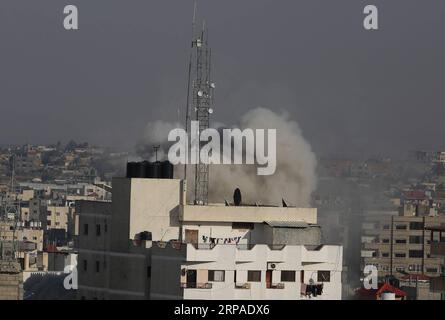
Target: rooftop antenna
x,y
200,99
156,148
202,94
187,112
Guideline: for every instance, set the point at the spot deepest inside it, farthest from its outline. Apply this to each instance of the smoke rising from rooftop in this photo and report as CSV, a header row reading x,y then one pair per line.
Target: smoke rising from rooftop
x,y
294,180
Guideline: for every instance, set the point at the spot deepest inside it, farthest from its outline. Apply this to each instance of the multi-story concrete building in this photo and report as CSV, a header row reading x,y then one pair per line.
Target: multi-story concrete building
x,y
398,245
438,250
126,247
11,281
292,272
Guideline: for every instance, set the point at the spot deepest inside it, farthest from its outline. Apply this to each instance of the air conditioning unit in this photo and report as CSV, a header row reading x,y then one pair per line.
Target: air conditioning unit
x,y
271,265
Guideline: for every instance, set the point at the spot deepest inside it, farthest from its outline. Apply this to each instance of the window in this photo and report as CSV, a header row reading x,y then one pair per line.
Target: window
x,y
254,276
57,223
415,253
287,276
415,239
400,269
48,222
97,266
385,240
385,255
57,213
400,241
85,265
216,275
386,227
400,255
105,228
431,270
85,229
323,276
98,230
401,227
416,225
149,272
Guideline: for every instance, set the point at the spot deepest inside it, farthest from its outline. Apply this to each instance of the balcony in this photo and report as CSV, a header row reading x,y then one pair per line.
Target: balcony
x,y
242,285
194,285
438,249
275,286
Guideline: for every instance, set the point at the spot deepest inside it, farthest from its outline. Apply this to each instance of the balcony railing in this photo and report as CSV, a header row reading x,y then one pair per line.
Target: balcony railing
x,y
438,249
194,285
276,286
242,285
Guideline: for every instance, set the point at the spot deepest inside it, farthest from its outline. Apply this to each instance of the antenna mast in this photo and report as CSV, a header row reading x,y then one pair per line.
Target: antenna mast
x,y
187,112
202,101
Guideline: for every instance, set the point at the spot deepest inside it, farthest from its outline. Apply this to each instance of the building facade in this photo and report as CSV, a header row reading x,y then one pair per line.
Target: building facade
x,y
120,243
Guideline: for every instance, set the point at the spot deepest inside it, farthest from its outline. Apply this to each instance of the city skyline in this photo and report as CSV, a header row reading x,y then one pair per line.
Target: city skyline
x,y
351,91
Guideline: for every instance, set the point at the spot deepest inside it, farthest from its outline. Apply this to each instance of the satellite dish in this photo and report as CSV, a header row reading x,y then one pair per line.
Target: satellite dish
x,y
212,85
200,93
210,110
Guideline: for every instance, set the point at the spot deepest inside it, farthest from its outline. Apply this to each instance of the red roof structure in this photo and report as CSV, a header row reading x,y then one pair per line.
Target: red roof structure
x,y
389,288
375,294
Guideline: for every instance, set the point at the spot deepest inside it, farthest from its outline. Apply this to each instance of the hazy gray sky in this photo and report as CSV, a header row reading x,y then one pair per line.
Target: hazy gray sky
x,y
349,89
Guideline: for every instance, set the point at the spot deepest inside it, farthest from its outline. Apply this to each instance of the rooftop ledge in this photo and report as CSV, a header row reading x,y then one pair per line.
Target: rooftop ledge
x,y
252,214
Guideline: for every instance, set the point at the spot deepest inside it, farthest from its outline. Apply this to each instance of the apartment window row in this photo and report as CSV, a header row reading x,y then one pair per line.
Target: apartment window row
x,y
289,276
253,275
415,267
411,240
412,226
411,254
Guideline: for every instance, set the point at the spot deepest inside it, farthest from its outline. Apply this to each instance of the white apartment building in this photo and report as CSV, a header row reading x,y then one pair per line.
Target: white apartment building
x,y
128,249
291,272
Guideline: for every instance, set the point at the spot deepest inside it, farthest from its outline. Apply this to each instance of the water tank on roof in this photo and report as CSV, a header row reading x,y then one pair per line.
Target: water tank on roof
x,y
143,169
152,170
157,170
132,169
167,170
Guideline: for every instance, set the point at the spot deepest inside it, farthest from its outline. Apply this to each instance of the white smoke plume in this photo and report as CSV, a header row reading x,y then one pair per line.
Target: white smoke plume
x,y
294,178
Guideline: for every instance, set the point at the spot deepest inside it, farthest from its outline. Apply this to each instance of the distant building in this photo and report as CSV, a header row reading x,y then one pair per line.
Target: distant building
x,y
438,250
11,281
399,245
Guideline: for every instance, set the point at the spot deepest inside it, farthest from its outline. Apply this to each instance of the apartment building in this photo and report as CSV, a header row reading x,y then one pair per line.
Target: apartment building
x,y
126,246
398,245
437,233
291,272
11,281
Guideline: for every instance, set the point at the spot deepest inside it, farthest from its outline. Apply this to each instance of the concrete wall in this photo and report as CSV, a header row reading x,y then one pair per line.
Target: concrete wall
x,y
221,213
296,236
154,207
